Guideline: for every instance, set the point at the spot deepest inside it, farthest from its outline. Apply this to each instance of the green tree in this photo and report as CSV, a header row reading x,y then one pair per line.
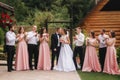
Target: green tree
x,y
77,9
25,10
42,5
21,11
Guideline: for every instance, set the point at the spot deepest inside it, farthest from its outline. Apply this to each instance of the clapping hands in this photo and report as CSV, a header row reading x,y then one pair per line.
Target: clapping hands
x,y
87,40
75,37
106,37
62,41
36,34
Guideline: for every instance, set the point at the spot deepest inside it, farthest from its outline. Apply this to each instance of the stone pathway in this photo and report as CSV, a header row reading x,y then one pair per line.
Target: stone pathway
x,y
37,75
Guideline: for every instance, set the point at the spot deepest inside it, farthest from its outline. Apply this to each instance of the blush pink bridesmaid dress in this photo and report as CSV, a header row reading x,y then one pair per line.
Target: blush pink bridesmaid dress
x,y
21,62
44,61
111,65
91,62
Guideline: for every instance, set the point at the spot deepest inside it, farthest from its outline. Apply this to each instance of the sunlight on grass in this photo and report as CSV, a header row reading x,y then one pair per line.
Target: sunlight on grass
x,y
97,76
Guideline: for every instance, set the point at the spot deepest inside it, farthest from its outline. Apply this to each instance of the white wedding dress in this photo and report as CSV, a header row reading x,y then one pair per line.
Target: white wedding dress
x,y
65,61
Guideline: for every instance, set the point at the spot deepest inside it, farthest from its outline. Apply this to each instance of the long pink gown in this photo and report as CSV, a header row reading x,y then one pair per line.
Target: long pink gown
x,y
91,62
111,65
21,62
44,61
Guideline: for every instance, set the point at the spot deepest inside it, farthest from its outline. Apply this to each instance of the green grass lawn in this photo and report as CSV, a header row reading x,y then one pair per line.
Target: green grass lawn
x,y
97,76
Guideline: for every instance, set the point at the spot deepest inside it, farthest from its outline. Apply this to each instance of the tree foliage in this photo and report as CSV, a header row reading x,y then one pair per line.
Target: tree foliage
x,y
29,12
2,33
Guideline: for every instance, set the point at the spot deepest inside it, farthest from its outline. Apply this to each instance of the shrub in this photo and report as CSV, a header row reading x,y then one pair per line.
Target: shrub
x,y
118,54
1,36
3,56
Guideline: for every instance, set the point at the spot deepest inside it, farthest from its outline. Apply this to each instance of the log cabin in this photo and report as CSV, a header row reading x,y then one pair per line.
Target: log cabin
x,y
105,15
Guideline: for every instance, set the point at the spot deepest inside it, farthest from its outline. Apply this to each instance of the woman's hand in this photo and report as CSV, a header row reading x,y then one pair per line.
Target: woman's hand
x,y
46,39
20,38
60,40
41,39
63,41
95,44
87,41
18,35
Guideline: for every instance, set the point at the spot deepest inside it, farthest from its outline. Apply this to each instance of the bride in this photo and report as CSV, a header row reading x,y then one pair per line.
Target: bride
x,y
65,61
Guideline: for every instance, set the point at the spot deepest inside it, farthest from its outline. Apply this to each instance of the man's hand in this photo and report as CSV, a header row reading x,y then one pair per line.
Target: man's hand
x,y
55,49
75,38
36,34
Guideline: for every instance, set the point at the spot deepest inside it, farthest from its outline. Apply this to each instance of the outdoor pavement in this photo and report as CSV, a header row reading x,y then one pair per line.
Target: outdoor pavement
x,y
36,75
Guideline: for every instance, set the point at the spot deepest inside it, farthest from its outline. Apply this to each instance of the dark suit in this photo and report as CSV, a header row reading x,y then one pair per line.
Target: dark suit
x,y
54,45
33,50
10,54
102,54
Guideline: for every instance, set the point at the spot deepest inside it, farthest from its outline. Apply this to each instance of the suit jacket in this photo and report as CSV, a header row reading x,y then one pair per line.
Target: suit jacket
x,y
54,41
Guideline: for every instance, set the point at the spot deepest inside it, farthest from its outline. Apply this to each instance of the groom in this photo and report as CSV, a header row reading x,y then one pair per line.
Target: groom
x,y
55,46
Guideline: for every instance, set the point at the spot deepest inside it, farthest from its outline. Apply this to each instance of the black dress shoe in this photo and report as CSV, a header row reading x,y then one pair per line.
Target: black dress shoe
x,y
31,68
51,68
9,70
77,68
35,67
13,69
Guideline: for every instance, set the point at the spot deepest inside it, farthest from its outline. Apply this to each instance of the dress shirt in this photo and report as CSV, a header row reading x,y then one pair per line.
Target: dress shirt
x,y
58,39
10,38
80,39
31,38
102,42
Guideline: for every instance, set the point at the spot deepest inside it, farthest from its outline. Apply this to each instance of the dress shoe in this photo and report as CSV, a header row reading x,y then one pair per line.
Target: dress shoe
x,y
9,70
13,69
31,68
35,67
51,68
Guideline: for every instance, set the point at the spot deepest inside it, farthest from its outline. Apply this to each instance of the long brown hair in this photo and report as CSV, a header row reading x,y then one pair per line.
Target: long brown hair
x,y
42,31
112,34
93,34
65,31
19,31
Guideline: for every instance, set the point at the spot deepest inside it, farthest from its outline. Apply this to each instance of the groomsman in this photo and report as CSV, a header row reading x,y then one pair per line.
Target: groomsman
x,y
78,41
32,39
10,46
102,47
55,46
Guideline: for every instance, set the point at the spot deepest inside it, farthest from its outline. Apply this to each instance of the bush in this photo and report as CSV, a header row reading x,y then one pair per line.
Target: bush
x,y
1,36
3,56
118,54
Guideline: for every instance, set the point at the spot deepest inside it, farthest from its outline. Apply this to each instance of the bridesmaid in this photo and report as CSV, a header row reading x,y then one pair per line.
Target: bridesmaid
x,y
44,62
21,62
111,65
91,62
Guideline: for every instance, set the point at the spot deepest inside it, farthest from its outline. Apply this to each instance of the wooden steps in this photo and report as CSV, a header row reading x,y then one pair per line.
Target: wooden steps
x,y
97,20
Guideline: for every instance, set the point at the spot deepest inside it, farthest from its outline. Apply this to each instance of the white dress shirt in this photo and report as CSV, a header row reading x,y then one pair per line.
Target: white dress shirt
x,y
58,39
102,42
32,38
10,38
80,39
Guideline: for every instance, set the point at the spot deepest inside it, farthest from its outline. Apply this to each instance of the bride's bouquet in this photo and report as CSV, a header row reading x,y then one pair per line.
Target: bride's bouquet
x,y
62,41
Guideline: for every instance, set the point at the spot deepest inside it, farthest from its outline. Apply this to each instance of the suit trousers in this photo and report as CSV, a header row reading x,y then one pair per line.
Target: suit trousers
x,y
33,52
10,56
